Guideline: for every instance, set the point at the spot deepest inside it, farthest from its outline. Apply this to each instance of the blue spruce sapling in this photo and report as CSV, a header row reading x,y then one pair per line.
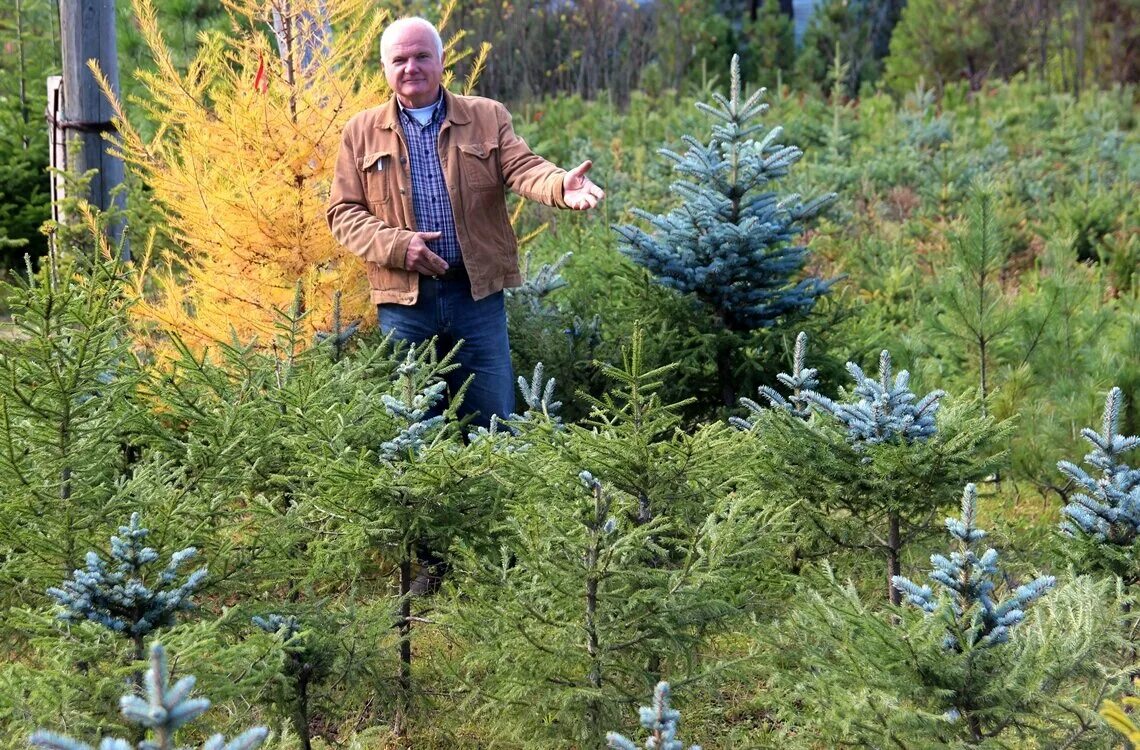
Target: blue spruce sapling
x,y
1104,517
800,380
975,619
660,720
874,466
883,411
413,409
731,241
116,594
541,407
166,709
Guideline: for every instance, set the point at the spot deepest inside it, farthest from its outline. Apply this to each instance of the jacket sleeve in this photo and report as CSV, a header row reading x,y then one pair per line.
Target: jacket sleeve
x,y
524,171
352,222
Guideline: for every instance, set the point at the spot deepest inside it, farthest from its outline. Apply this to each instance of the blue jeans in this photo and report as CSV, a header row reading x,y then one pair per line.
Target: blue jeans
x,y
445,310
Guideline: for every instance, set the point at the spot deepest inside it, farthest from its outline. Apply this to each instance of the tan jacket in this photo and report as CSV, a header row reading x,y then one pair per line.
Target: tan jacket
x,y
370,205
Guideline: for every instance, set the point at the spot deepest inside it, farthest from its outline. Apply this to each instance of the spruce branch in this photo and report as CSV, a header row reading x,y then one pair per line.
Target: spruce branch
x,y
885,411
1108,508
662,722
165,709
537,286
800,380
412,407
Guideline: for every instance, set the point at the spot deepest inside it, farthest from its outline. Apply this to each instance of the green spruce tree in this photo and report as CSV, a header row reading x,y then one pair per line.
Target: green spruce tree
x,y
871,469
626,546
69,419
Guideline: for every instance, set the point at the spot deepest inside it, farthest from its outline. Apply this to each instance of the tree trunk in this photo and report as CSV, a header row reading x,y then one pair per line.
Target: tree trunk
x,y
1081,45
724,374
302,719
23,70
894,548
404,680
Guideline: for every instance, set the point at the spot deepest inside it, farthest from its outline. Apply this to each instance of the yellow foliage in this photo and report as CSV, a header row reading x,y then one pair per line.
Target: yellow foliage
x,y
1116,718
241,164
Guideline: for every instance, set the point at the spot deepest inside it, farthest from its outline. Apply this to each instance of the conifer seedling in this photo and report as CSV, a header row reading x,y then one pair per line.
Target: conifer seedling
x,y
974,618
1103,518
118,595
660,719
165,709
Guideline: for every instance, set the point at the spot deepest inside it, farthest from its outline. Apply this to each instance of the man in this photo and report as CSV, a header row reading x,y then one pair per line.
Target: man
x,y
418,194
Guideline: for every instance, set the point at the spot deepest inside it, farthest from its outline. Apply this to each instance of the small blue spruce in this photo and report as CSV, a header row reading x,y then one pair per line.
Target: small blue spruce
x,y
661,721
165,709
968,581
115,593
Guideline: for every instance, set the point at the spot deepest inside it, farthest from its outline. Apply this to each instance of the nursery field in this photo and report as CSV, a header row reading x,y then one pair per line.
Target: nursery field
x,y
827,418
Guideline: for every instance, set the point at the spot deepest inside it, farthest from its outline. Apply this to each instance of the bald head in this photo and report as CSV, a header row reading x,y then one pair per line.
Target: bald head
x,y
400,27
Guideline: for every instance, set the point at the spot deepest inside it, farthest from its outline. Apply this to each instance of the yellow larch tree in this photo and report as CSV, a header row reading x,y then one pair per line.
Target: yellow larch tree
x,y
241,162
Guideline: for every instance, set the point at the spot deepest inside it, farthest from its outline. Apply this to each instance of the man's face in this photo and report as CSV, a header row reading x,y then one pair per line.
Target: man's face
x,y
412,67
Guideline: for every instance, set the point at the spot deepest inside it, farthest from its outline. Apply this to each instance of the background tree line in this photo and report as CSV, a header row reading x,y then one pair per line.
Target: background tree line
x,y
609,48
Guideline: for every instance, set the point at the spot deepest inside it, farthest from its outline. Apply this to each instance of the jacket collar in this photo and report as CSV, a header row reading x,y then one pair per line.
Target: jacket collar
x,y
457,112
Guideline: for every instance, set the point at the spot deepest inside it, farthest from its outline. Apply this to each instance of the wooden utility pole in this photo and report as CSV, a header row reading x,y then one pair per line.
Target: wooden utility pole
x,y
87,32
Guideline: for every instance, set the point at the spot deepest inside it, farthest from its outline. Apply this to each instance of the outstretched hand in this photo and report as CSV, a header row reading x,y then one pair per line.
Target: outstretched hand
x,y
578,190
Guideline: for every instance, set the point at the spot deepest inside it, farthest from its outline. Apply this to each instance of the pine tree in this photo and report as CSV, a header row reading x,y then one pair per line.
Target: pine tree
x,y
166,709
120,598
1103,517
729,244
660,720
771,46
850,27
974,309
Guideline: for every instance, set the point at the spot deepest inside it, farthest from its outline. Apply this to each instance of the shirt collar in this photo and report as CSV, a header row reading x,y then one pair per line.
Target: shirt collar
x,y
439,108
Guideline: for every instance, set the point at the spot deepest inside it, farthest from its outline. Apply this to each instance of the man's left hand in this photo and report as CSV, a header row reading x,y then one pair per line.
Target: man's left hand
x,y
578,190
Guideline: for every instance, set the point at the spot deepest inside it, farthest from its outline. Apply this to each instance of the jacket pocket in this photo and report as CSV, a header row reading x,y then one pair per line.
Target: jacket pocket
x,y
479,166
377,174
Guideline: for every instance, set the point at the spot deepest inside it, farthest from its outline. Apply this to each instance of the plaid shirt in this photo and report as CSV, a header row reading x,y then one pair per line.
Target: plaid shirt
x,y
429,192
